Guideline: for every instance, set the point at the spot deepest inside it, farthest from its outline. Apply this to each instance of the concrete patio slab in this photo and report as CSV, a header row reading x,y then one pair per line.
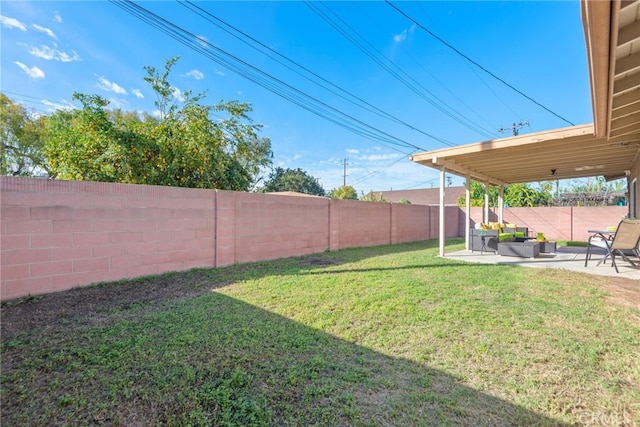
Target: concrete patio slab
x,y
566,258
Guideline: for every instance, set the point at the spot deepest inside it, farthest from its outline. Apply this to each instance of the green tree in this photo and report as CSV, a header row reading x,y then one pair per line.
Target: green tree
x,y
476,195
344,192
21,152
183,147
85,144
292,180
373,197
515,195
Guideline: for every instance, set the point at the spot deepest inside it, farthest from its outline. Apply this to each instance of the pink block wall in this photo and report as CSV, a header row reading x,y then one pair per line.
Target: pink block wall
x,y
362,224
558,223
56,235
268,226
597,218
409,222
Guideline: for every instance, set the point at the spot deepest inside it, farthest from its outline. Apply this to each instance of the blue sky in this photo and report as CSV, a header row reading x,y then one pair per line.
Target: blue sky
x,y
366,65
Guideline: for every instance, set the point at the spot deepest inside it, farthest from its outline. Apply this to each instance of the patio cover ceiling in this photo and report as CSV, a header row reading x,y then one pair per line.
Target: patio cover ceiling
x,y
572,152
608,147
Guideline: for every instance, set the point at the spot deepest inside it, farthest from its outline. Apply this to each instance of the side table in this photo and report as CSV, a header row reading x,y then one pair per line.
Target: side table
x,y
547,247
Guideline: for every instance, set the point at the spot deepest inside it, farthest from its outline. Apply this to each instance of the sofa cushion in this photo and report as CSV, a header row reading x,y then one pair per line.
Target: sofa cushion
x,y
504,236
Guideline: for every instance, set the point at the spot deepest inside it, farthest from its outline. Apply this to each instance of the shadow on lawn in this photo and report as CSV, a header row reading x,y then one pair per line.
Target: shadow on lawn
x,y
215,360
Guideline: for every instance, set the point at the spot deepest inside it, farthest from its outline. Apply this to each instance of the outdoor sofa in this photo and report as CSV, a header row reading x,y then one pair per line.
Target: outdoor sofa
x,y
487,236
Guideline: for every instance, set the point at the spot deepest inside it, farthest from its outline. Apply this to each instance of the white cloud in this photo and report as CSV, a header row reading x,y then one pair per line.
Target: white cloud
x,y
66,105
105,84
177,94
352,151
403,35
380,157
196,74
137,93
48,53
12,23
204,42
157,114
400,37
33,72
219,73
56,17
45,30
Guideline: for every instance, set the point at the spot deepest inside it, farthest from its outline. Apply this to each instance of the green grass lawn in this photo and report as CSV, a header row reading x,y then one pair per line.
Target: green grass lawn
x,y
390,335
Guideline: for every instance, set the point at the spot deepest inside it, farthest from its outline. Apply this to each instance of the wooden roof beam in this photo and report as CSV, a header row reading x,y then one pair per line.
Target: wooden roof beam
x,y
462,171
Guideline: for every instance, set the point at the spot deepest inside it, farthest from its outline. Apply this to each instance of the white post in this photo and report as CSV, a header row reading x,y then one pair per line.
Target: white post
x,y
441,231
500,203
486,202
467,204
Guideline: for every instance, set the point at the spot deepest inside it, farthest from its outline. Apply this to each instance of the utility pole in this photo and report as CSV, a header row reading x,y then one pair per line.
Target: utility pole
x,y
345,172
515,128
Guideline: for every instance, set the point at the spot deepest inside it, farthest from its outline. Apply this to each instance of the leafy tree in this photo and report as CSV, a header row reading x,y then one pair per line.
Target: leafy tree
x,y
404,202
373,197
183,147
85,144
344,192
292,180
515,195
21,152
476,194
524,195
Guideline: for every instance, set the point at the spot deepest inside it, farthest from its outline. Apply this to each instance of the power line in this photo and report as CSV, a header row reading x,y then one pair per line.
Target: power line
x,y
389,66
225,26
430,74
474,62
262,78
377,171
473,70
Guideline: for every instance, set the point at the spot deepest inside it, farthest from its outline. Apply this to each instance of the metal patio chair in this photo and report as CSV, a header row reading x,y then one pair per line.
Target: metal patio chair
x,y
625,240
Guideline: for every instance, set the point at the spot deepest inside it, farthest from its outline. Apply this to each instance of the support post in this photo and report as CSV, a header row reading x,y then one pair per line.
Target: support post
x,y
441,222
486,202
500,204
467,204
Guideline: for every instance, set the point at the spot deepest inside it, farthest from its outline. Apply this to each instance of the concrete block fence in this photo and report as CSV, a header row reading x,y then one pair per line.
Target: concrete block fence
x,y
56,235
558,223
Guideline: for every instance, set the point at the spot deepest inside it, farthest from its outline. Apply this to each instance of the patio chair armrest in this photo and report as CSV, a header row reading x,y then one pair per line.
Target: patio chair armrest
x,y
600,240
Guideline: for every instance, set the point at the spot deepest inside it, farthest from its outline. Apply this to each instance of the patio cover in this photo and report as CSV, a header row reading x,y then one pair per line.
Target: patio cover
x,y
572,152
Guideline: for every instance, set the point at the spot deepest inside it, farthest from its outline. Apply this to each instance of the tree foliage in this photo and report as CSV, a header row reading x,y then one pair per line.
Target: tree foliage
x,y
292,180
515,195
345,192
21,151
476,194
184,147
373,197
